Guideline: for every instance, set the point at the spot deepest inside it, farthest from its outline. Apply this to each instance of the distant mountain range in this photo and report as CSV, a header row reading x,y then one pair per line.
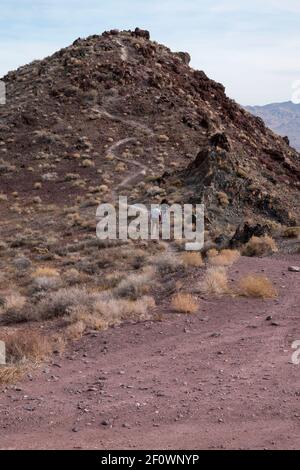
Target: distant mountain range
x,y
282,118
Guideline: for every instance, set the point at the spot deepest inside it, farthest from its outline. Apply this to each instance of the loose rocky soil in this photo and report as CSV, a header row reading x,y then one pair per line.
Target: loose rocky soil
x,y
219,379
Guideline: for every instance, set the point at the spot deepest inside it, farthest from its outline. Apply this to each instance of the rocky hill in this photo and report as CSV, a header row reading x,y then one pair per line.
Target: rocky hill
x,y
282,118
119,113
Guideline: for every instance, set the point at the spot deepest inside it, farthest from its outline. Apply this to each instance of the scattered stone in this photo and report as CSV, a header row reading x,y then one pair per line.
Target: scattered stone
x,y
294,269
105,423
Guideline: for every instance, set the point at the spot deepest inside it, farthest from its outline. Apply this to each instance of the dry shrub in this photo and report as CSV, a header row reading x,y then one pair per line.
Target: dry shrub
x,y
45,272
135,285
292,232
44,283
211,253
46,278
180,244
116,310
260,246
111,280
72,276
59,303
27,345
12,308
75,330
14,301
59,343
257,286
193,259
224,257
162,245
184,303
167,263
215,281
107,312
10,374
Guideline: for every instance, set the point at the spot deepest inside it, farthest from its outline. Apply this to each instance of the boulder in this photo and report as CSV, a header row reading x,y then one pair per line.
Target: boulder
x,y
141,33
245,232
184,56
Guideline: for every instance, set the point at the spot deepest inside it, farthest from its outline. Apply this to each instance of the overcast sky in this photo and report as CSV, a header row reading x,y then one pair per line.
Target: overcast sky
x,y
252,47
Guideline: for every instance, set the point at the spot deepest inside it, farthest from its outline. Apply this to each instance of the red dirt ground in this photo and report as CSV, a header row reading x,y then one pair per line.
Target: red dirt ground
x,y
220,379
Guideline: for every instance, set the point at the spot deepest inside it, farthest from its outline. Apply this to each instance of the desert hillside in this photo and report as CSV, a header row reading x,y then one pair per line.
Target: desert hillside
x,y
76,123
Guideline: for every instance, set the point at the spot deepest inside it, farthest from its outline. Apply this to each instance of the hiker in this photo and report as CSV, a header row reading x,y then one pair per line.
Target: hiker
x,y
164,208
155,219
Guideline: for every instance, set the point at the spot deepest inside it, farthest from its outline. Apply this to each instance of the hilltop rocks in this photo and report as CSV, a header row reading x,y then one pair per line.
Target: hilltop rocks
x,y
141,33
184,56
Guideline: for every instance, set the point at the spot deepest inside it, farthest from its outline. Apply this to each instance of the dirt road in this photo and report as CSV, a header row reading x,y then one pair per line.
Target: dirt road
x,y
222,378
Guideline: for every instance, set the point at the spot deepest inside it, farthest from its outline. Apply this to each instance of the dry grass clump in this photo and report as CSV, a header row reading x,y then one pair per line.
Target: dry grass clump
x,y
75,330
135,285
184,303
260,246
116,310
71,276
14,300
105,313
215,281
223,258
223,199
45,278
193,259
59,303
10,374
45,272
292,232
167,263
22,349
211,253
27,345
46,283
12,307
257,286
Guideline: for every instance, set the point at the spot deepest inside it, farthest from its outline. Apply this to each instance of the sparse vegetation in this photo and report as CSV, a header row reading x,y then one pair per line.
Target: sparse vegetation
x,y
184,303
10,373
11,308
260,246
257,286
223,258
59,303
292,232
135,285
167,263
23,349
105,313
215,281
25,345
193,259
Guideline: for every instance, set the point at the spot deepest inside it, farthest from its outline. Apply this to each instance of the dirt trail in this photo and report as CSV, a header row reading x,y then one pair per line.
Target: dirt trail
x,y
140,127
129,122
221,378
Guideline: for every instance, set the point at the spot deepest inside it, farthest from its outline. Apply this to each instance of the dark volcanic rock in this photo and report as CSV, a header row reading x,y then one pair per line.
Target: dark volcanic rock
x,y
245,232
142,33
